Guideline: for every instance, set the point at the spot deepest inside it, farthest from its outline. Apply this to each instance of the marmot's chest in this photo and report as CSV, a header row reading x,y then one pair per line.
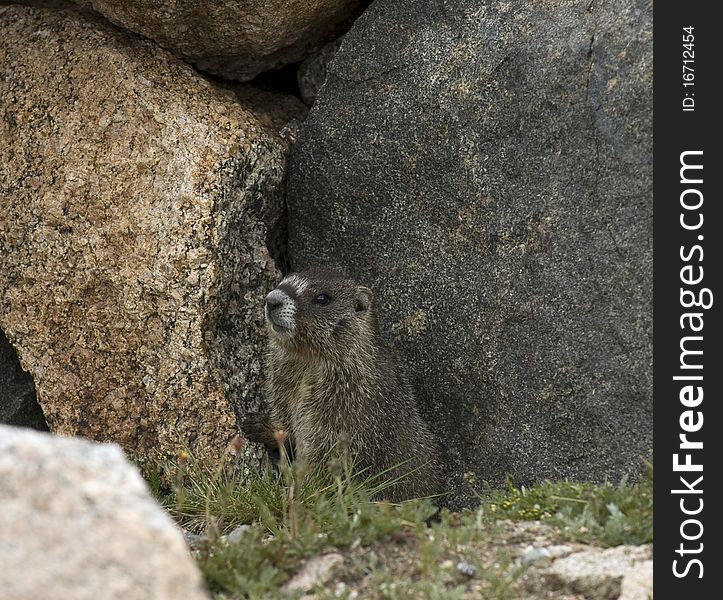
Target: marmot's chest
x,y
304,387
303,413
318,414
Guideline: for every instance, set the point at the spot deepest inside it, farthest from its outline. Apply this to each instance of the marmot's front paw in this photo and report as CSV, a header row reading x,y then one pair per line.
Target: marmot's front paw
x,y
256,427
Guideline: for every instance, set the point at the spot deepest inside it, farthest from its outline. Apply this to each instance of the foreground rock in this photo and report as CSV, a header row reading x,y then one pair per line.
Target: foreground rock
x,y
488,171
137,201
78,523
237,40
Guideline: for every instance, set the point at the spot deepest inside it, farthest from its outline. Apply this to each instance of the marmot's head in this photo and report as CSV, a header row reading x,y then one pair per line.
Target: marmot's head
x,y
320,311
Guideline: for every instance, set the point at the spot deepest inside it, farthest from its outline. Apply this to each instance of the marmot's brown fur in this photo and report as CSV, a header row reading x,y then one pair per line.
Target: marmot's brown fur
x,y
331,380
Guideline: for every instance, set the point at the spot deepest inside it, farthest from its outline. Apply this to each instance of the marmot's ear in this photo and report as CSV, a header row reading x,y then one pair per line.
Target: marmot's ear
x,y
363,299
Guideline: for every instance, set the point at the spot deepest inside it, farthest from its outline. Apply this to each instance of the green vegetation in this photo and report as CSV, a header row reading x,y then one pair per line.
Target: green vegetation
x,y
605,514
295,513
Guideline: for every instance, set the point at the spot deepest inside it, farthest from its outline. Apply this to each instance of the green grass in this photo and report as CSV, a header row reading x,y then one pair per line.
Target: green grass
x,y
201,498
295,513
604,514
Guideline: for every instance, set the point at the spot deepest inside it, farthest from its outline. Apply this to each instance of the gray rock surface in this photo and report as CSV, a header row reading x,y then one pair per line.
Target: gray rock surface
x,y
236,40
18,404
311,74
137,203
78,523
487,170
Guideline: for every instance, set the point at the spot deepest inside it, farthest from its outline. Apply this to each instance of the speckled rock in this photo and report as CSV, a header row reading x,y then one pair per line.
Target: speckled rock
x,y
137,200
543,554
274,110
316,571
637,583
487,170
236,40
78,523
311,74
18,404
598,574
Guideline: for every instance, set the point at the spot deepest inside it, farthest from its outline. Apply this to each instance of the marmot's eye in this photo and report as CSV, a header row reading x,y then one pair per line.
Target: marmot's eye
x,y
322,299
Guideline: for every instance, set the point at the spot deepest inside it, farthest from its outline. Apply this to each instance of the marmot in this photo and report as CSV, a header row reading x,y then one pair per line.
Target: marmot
x,y
330,378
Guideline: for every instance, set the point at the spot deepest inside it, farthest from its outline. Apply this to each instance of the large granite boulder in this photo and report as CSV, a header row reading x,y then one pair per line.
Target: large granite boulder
x,y
487,169
78,522
236,40
136,204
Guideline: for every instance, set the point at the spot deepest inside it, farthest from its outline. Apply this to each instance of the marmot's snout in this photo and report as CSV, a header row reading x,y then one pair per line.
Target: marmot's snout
x,y
280,311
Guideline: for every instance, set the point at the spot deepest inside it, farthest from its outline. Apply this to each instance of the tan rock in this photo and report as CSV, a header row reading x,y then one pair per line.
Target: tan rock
x,y
316,571
136,202
274,110
77,523
638,582
237,40
598,573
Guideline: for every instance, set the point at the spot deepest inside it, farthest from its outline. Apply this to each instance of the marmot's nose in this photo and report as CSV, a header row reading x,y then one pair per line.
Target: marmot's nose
x,y
275,299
